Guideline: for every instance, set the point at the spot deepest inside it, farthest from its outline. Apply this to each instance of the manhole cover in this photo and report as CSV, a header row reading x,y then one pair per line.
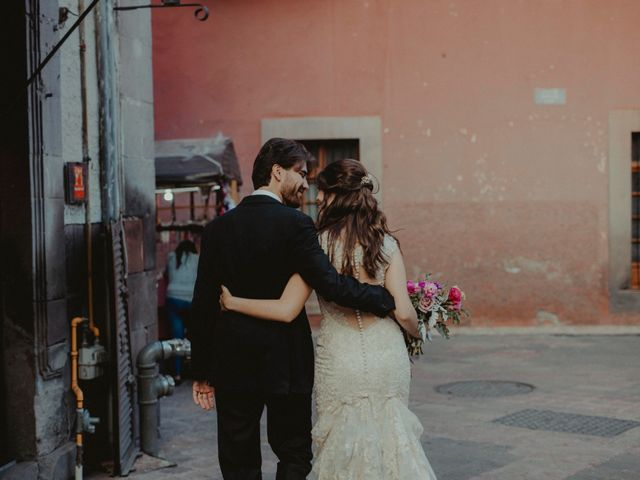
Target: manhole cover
x,y
484,388
567,422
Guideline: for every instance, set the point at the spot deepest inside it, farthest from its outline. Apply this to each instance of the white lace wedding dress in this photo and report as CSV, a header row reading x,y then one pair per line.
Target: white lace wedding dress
x,y
364,429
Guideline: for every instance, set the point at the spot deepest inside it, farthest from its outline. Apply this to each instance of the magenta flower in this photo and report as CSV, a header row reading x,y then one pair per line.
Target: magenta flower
x,y
411,287
455,298
430,289
455,294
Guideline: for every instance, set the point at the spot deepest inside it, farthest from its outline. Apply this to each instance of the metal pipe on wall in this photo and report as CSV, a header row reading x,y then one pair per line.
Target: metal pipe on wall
x,y
77,391
84,422
87,160
152,385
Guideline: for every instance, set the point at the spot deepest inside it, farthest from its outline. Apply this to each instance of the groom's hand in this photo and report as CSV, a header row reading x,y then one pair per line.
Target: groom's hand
x,y
203,394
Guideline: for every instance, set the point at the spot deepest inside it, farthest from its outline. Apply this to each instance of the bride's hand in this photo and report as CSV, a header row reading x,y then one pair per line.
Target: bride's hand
x,y
225,299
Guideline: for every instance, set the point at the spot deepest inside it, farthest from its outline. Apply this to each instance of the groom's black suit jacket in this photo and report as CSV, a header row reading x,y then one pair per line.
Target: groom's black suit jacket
x,y
253,250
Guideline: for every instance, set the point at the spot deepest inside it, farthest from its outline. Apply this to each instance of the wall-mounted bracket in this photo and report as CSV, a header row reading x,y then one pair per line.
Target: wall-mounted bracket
x,y
201,13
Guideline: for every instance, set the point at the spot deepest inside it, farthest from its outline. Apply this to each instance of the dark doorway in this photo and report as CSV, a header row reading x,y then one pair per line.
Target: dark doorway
x,y
5,456
14,175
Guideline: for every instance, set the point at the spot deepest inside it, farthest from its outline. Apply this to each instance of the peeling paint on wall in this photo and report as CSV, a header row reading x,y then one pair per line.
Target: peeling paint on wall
x,y
547,318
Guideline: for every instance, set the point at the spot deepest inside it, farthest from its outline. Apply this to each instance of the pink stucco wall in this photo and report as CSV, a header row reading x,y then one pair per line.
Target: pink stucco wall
x,y
496,193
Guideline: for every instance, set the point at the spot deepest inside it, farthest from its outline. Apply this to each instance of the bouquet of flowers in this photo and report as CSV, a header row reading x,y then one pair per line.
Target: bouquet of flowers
x,y
435,306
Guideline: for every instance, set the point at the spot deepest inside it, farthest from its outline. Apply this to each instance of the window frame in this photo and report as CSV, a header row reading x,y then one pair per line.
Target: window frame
x,y
622,124
367,130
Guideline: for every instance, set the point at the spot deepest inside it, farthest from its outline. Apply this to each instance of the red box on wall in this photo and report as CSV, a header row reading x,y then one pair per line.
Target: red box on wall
x,y
75,183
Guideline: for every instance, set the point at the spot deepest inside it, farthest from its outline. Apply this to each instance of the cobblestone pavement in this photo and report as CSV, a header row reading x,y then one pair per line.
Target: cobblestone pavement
x,y
579,422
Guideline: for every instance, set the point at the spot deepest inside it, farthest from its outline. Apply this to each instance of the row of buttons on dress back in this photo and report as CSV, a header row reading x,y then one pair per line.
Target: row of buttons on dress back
x,y
356,267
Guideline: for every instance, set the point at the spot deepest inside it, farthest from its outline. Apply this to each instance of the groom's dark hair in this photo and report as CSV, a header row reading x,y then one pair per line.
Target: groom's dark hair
x,y
280,151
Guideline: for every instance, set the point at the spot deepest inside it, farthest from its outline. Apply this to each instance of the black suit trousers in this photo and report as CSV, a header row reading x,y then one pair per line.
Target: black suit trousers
x,y
288,433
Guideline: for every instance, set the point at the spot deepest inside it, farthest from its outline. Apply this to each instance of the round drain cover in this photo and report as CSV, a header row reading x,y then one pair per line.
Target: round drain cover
x,y
484,388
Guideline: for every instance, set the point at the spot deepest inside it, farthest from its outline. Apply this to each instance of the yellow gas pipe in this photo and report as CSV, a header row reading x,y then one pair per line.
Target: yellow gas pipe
x,y
77,392
74,361
80,413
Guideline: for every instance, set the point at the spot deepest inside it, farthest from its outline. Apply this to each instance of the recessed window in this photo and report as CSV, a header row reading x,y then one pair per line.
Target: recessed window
x,y
326,152
624,211
635,210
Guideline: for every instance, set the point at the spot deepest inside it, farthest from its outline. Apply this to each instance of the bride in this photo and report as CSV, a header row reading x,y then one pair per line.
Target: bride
x,y
364,428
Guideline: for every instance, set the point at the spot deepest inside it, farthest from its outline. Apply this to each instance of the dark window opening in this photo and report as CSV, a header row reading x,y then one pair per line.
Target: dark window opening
x,y
635,210
326,152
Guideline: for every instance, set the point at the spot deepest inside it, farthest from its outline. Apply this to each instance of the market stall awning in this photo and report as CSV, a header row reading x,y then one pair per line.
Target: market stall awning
x,y
196,162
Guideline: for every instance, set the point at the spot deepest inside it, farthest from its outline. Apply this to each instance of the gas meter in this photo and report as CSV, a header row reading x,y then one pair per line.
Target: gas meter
x,y
90,361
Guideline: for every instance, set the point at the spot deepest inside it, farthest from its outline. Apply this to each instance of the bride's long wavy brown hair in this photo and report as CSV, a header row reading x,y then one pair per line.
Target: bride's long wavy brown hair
x,y
352,215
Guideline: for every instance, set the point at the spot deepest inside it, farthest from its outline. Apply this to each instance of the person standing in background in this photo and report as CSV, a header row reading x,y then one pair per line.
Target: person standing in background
x,y
182,270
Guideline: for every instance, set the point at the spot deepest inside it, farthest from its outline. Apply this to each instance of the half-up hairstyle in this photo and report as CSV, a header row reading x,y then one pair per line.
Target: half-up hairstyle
x,y
353,216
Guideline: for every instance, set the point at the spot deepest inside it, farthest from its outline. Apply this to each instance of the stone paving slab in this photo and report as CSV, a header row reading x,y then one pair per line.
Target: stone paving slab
x,y
462,459
622,467
590,375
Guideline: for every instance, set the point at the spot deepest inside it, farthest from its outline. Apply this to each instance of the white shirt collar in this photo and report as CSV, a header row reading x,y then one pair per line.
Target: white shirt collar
x,y
268,194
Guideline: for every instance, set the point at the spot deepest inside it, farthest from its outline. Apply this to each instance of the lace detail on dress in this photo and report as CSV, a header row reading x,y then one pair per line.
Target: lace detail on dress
x,y
364,428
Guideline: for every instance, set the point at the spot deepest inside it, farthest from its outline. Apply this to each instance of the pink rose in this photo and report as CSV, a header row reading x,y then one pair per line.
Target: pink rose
x,y
421,285
411,287
455,294
455,298
425,304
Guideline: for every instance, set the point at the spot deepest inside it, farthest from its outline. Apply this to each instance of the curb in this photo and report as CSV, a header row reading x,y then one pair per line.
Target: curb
x,y
550,330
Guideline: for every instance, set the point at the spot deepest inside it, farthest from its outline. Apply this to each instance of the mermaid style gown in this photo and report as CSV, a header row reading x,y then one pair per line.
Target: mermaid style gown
x,y
364,428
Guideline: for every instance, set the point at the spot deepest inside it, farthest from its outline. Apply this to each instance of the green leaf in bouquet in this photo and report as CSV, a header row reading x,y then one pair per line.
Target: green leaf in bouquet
x,y
442,329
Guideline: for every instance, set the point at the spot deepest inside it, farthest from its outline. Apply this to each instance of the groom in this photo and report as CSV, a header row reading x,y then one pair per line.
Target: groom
x,y
252,364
